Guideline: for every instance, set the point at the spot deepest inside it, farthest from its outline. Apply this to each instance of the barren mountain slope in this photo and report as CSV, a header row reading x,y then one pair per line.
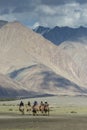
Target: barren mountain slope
x,y
21,48
11,88
78,51
40,78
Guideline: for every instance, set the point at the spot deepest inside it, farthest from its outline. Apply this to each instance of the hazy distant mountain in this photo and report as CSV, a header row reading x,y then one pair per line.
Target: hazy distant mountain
x,y
36,65
41,30
58,35
2,23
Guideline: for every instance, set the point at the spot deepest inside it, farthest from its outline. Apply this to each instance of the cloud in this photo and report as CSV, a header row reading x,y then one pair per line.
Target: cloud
x,y
71,14
8,17
62,2
19,6
45,12
5,11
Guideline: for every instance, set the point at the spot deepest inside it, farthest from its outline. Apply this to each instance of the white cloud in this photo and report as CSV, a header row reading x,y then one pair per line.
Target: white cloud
x,y
46,10
8,17
72,14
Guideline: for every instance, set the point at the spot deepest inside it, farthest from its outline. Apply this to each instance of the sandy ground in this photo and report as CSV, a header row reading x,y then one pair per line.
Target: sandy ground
x,y
26,122
67,113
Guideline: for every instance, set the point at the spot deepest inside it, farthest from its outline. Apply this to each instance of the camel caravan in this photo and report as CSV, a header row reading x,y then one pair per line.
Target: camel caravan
x,y
35,109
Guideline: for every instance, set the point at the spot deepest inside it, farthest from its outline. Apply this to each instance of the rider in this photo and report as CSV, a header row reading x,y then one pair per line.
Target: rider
x,y
21,104
29,104
21,107
35,103
41,103
46,104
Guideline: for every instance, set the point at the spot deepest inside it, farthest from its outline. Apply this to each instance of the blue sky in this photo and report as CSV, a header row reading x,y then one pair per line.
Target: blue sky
x,y
50,13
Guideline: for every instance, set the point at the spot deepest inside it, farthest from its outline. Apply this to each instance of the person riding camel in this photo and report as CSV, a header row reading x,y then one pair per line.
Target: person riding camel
x,y
21,104
46,104
41,103
29,104
21,107
46,108
35,103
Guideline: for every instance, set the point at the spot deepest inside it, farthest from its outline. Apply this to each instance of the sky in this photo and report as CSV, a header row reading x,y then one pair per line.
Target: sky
x,y
48,13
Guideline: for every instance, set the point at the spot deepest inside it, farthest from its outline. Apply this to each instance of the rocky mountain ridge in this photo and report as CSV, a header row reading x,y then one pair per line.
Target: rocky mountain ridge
x,y
57,35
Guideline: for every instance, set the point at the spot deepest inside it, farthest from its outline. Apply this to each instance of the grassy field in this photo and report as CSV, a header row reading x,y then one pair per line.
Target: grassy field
x,y
58,105
66,110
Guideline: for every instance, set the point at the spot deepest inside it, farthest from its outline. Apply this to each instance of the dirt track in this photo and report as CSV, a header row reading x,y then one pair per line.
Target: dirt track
x,y
21,122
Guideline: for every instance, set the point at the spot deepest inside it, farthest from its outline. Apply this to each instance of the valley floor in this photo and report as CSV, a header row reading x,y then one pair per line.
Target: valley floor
x,y
43,123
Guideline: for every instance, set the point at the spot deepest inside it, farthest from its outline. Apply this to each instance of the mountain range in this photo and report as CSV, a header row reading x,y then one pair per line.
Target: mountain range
x,y
57,35
31,66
